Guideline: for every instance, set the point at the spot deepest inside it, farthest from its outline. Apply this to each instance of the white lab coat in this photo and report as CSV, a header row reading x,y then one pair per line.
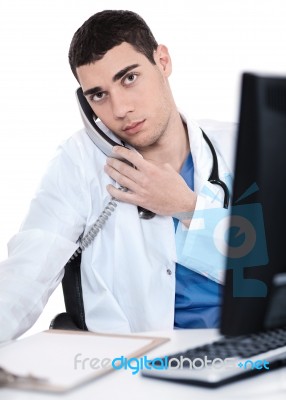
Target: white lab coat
x,y
128,273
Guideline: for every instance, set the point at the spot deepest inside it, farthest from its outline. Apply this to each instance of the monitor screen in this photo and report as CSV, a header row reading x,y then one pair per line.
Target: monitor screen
x,y
255,287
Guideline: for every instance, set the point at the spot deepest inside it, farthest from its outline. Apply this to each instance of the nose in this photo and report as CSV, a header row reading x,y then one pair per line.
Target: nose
x,y
121,104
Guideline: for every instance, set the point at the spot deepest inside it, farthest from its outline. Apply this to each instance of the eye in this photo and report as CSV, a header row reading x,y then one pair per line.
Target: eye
x,y
130,78
98,96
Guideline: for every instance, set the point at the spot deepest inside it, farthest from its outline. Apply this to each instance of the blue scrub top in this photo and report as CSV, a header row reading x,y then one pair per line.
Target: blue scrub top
x,y
198,299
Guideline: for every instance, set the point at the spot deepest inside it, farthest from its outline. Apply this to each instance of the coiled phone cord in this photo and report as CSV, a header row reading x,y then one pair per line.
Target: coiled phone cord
x,y
97,226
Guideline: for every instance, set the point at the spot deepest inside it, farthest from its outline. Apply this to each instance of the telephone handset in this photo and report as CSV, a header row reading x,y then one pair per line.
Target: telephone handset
x,y
105,144
98,137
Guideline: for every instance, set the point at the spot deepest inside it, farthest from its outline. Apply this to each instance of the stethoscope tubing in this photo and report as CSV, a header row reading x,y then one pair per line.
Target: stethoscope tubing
x,y
214,175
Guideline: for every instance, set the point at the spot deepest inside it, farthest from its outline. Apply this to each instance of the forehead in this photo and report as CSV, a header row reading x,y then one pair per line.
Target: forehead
x,y
102,71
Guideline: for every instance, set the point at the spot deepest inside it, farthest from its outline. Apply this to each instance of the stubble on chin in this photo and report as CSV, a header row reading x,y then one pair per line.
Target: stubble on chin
x,y
151,138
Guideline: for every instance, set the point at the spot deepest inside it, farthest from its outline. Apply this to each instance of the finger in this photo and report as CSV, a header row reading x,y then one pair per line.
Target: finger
x,y
132,156
123,168
120,179
120,195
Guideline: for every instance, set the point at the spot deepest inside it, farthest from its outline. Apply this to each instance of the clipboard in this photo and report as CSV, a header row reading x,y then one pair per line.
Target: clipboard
x,y
61,360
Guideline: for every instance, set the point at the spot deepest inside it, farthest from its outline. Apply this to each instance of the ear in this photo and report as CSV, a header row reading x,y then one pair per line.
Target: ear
x,y
163,60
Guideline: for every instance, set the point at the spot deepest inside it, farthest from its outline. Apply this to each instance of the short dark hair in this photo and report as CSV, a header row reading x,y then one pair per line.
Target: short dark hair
x,y
107,29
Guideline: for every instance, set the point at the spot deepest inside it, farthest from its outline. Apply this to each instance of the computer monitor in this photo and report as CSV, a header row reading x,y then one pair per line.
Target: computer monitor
x,y
255,288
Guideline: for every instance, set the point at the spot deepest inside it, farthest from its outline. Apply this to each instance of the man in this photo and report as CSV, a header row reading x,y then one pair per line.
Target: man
x,y
137,274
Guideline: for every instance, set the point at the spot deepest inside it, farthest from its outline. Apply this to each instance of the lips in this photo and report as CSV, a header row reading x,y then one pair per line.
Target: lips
x,y
134,127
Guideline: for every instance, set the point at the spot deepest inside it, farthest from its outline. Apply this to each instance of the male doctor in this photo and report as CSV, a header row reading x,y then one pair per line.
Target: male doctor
x,y
138,274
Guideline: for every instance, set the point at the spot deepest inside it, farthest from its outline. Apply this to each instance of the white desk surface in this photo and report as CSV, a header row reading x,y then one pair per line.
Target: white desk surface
x,y
123,385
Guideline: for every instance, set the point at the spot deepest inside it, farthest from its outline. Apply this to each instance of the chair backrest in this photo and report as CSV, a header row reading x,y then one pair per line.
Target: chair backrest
x,y
72,291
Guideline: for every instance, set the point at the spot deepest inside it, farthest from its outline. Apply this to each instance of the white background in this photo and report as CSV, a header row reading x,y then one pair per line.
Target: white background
x,y
211,43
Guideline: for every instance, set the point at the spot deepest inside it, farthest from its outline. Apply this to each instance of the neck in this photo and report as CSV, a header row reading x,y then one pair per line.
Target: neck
x,y
173,147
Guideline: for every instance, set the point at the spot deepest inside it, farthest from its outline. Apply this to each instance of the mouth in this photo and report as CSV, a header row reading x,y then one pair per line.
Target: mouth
x,y
135,127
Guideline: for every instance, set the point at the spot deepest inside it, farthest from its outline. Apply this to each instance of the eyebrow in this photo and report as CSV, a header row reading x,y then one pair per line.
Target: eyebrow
x,y
115,78
124,71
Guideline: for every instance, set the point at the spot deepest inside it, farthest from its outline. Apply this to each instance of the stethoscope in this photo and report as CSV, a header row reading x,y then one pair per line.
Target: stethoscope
x,y
213,178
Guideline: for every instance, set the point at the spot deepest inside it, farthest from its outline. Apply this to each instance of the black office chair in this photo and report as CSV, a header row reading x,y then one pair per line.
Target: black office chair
x,y
73,318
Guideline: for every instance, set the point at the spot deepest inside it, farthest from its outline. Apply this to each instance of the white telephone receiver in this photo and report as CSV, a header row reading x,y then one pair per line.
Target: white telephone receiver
x,y
99,138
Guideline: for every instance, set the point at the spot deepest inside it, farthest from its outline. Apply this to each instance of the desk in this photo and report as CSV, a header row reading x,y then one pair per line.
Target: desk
x,y
123,385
